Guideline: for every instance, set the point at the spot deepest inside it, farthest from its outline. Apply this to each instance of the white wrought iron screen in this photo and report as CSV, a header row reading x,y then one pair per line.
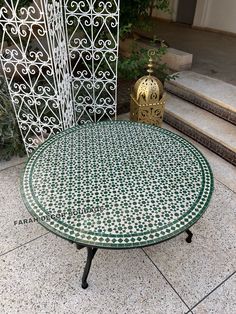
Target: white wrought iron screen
x,y
59,58
93,47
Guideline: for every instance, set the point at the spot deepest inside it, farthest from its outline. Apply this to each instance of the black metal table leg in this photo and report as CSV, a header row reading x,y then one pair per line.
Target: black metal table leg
x,y
90,256
79,247
189,237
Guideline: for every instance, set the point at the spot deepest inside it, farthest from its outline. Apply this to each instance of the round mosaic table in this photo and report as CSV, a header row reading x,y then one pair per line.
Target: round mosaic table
x,y
116,185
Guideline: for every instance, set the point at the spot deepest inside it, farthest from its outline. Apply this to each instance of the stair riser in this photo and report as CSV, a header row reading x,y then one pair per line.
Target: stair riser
x,y
202,102
200,137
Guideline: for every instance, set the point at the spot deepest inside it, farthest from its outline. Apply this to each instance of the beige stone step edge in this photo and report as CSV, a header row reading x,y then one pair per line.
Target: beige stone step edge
x,y
228,153
220,109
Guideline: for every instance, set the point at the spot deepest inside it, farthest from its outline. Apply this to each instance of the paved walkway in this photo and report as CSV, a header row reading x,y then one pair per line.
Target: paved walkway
x,y
41,273
214,53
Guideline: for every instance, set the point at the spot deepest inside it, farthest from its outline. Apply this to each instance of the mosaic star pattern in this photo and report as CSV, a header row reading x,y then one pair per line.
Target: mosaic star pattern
x,y
117,184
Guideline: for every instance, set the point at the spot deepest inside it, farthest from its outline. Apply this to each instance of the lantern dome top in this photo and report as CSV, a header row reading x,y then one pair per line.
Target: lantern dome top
x,y
148,89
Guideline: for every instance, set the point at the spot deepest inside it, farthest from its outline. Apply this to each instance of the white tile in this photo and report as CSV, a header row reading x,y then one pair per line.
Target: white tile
x,y
13,230
196,269
221,301
123,116
14,161
45,277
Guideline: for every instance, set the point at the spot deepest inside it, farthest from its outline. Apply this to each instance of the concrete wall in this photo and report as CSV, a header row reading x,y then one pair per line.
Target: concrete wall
x,y
216,14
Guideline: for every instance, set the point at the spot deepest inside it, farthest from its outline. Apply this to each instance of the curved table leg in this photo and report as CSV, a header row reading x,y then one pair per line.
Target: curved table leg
x,y
91,252
79,247
189,237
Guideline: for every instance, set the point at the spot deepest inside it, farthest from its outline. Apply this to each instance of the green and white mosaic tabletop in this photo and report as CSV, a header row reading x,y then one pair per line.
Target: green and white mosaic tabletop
x,y
117,184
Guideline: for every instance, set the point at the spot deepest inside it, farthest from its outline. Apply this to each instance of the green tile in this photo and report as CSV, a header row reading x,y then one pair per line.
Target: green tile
x,y
117,184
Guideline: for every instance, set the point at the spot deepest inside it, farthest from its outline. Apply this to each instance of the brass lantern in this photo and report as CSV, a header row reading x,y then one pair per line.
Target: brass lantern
x,y
148,98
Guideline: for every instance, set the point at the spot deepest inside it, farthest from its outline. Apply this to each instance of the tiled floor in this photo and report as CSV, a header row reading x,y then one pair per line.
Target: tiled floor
x,y
41,273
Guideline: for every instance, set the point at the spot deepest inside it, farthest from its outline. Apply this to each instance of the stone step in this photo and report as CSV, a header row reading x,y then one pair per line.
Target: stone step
x,y
208,93
211,131
176,60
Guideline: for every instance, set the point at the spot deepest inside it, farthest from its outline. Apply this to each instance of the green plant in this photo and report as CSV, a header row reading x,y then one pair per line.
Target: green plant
x,y
132,10
125,31
134,14
135,66
10,137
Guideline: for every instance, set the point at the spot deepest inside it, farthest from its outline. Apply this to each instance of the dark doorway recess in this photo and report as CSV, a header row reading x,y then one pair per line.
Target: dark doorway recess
x,y
186,11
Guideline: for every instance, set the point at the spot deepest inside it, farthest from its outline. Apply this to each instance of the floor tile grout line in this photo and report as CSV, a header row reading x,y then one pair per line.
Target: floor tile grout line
x,y
12,166
166,280
23,244
225,185
206,296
